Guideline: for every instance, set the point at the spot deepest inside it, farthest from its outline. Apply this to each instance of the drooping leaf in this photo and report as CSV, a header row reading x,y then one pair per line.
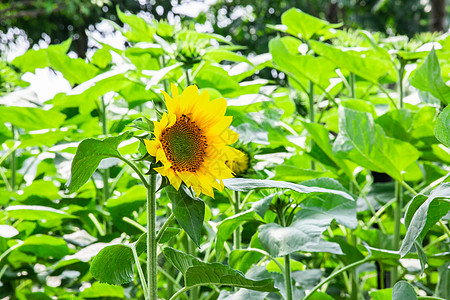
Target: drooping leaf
x,y
442,128
428,78
245,185
189,211
90,153
197,272
364,142
423,214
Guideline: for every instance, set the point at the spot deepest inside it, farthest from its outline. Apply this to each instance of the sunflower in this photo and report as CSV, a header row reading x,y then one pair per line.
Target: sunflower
x,y
191,141
240,164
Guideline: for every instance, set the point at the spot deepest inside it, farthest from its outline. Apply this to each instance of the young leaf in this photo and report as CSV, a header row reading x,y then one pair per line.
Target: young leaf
x,y
189,211
428,78
442,128
89,154
197,272
114,264
403,291
364,142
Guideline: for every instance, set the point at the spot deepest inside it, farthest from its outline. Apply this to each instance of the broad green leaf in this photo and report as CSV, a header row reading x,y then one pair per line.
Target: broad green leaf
x,y
45,246
288,59
229,225
304,234
90,153
369,67
139,31
245,185
102,57
218,55
337,207
197,272
114,264
36,212
75,70
261,206
31,118
38,59
428,78
364,142
304,25
403,291
189,211
103,291
8,231
423,214
442,128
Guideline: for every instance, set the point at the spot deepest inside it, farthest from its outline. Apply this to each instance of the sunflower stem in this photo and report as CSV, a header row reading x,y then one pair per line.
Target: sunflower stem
x,y
188,81
13,162
141,274
151,239
397,216
105,173
287,260
312,116
237,232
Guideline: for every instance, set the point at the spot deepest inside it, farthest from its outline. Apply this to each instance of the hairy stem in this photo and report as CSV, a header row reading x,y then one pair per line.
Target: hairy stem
x,y
13,162
151,239
397,217
140,272
312,117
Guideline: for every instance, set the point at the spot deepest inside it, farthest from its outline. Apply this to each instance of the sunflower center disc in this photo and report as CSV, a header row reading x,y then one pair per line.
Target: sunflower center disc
x,y
184,145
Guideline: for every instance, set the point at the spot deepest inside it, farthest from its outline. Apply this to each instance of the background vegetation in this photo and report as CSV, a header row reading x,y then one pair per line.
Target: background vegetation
x,y
345,123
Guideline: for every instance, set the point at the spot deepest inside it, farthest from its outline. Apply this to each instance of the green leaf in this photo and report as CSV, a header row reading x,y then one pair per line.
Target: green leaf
x,y
442,128
229,225
89,154
197,272
31,118
36,212
385,294
369,67
443,285
288,59
189,211
303,25
139,31
242,294
304,234
403,291
45,246
423,214
428,78
103,291
34,59
340,208
245,185
114,264
364,142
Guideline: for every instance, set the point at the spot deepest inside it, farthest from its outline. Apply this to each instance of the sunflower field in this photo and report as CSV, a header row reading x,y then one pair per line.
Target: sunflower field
x,y
175,169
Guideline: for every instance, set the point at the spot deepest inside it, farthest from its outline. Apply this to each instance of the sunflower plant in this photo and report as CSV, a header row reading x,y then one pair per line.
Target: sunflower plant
x,y
189,150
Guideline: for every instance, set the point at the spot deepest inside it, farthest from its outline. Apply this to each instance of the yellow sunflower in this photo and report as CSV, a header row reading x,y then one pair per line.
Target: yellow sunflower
x,y
240,164
191,141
